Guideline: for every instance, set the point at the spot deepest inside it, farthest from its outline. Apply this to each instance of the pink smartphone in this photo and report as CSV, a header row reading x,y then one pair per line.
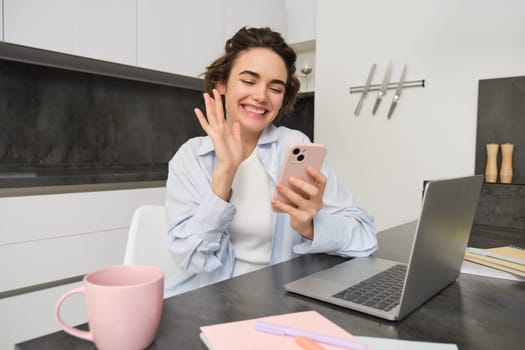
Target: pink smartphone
x,y
297,158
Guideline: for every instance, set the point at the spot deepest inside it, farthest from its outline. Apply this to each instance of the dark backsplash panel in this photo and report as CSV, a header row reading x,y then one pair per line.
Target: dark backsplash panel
x,y
53,117
501,119
502,205
60,126
302,117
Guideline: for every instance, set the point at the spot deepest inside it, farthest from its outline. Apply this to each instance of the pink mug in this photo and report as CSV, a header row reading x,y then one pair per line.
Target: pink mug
x,y
124,305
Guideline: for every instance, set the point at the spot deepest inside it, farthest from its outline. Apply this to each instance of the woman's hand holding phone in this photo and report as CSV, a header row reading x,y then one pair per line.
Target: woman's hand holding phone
x,y
299,191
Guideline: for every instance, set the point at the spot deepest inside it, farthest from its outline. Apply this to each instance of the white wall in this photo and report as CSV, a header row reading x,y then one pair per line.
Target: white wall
x,y
452,44
2,21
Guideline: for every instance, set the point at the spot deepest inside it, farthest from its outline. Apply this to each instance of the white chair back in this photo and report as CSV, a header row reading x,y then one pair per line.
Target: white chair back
x,y
148,245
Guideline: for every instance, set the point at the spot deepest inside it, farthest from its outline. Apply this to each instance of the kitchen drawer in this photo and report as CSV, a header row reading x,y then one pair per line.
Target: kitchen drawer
x,y
31,263
31,315
30,218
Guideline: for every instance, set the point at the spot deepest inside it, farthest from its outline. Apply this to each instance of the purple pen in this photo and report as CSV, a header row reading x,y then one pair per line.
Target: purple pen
x,y
320,338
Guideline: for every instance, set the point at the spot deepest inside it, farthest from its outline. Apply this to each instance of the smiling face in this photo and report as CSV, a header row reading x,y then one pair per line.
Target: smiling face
x,y
254,91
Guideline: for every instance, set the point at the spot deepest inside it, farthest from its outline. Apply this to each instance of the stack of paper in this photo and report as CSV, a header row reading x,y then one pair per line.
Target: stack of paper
x,y
472,268
242,335
509,259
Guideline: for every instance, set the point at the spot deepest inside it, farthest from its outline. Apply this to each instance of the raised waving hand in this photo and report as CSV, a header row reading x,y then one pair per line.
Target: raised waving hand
x,y
226,140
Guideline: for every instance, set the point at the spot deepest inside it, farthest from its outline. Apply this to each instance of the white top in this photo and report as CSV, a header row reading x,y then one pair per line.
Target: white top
x,y
251,228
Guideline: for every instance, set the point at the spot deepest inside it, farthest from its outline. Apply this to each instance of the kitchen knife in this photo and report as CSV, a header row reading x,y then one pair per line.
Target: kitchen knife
x,y
397,95
383,88
365,89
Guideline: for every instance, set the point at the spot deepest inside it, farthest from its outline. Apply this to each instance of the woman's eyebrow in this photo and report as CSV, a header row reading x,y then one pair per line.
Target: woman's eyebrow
x,y
257,75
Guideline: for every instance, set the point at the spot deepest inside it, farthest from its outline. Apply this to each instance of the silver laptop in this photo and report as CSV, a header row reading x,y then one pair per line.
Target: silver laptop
x,y
414,261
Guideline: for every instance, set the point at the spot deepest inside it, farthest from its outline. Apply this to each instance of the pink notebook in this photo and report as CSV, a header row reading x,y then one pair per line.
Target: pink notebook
x,y
242,335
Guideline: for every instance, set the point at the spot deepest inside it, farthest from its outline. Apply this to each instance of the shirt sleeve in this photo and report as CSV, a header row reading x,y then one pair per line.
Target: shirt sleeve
x,y
197,218
341,227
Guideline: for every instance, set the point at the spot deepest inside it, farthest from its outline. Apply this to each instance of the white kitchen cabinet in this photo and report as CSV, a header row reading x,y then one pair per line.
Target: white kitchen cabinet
x,y
52,237
185,37
100,29
254,13
30,315
181,37
301,21
174,36
45,238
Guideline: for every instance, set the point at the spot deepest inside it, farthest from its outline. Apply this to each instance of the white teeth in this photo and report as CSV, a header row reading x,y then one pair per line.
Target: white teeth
x,y
254,110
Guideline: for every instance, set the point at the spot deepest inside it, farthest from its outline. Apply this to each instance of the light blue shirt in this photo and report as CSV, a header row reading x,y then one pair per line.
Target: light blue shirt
x,y
198,219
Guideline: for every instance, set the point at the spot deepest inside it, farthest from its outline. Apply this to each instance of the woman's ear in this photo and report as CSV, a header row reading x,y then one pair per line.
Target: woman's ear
x,y
221,87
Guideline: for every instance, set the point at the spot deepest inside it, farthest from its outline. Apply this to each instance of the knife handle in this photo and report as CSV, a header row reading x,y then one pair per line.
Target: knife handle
x,y
378,100
359,104
392,108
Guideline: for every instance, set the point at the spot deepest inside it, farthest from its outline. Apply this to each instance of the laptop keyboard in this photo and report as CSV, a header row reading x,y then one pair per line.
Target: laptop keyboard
x,y
381,291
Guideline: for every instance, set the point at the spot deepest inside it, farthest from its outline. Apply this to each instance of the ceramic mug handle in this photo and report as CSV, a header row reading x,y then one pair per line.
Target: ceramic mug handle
x,y
68,329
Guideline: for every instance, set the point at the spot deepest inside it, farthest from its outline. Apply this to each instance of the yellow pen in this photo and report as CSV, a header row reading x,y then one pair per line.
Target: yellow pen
x,y
307,343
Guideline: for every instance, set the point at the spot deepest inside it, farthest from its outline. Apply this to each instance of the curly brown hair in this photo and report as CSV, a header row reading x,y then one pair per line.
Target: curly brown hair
x,y
249,38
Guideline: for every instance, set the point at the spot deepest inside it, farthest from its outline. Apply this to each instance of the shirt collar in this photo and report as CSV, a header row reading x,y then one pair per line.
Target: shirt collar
x,y
269,135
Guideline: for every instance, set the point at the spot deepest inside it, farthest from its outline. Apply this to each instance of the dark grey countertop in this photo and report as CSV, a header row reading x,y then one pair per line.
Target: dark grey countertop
x,y
475,312
74,176
15,182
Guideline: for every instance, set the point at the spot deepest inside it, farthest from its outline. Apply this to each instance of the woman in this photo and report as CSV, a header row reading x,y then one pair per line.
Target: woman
x,y
221,216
